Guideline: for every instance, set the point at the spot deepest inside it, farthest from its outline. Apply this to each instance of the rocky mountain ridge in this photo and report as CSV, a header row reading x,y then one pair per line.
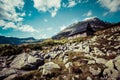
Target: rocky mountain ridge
x,y
79,27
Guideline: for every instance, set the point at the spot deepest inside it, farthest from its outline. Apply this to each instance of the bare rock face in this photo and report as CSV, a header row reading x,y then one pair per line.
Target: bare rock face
x,y
26,61
49,68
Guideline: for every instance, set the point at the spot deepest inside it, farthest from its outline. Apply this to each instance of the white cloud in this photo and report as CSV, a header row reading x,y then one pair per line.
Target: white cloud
x,y
2,23
62,28
71,3
106,13
88,14
51,6
21,27
111,5
8,10
12,18
10,25
27,28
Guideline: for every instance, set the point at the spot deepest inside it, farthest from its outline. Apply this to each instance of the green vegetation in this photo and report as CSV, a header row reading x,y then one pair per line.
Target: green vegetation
x,y
8,50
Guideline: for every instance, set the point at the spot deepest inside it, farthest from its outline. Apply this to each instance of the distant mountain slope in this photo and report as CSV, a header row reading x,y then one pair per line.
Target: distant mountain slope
x,y
95,23
14,40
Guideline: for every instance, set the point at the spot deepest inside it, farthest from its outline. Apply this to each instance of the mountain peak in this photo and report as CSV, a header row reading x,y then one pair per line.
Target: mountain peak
x,y
92,19
80,27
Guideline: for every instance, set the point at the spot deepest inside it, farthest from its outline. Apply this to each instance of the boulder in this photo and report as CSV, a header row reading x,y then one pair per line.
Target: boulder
x,y
91,62
50,68
26,61
95,71
110,73
11,73
8,71
117,64
89,78
109,64
100,60
11,77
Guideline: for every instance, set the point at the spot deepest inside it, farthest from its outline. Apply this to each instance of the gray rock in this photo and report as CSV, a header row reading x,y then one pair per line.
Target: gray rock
x,y
87,49
100,60
95,72
11,77
6,72
68,65
89,78
26,61
49,68
110,73
117,64
109,64
98,52
10,71
91,62
65,59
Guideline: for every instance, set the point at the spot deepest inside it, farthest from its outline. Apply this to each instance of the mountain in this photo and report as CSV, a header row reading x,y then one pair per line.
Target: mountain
x,y
80,27
90,58
15,41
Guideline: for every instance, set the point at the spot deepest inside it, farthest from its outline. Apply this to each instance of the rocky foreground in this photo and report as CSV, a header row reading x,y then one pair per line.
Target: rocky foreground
x,y
95,58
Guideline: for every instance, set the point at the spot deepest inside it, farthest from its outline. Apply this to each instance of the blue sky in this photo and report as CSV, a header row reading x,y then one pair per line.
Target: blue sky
x,y
45,18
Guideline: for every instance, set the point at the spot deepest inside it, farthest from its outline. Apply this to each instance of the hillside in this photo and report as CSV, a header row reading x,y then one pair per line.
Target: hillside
x,y
80,27
15,41
90,58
